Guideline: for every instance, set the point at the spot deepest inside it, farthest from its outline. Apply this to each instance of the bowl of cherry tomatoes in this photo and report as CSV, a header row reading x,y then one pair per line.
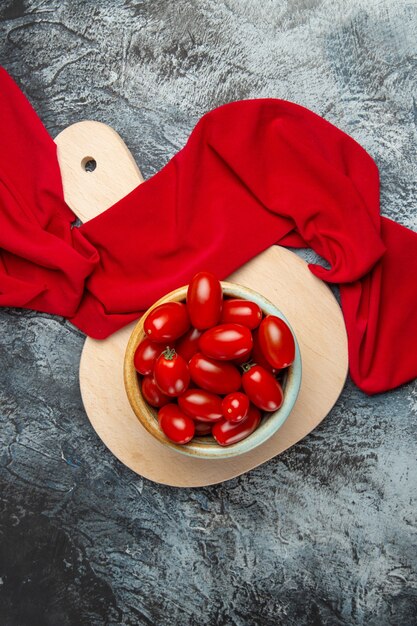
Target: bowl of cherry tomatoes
x,y
212,369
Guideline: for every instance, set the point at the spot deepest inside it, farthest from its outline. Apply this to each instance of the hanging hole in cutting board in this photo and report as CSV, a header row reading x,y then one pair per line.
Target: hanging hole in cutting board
x,y
89,164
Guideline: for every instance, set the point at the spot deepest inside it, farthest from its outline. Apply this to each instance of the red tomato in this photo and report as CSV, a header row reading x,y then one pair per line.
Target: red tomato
x,y
145,356
204,300
257,355
242,312
202,428
276,341
235,407
201,405
171,373
226,342
215,376
151,392
262,388
227,433
175,425
187,346
167,322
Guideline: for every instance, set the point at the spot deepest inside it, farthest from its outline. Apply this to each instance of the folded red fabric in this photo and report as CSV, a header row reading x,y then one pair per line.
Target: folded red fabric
x,y
252,174
39,266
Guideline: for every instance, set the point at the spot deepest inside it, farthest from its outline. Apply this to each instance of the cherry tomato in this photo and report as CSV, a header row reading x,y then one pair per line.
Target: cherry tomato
x,y
171,373
226,433
204,300
235,407
151,392
167,322
187,346
243,312
262,388
215,376
276,341
257,356
226,342
145,356
201,405
175,425
202,428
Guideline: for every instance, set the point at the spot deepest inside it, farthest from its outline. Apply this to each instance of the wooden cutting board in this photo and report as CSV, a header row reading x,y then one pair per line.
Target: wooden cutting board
x,y
97,170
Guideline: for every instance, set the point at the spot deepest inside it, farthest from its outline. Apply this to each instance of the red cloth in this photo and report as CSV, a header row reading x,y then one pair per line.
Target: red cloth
x,y
252,174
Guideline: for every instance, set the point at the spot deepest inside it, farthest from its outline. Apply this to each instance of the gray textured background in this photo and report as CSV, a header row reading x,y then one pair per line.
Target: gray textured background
x,y
324,534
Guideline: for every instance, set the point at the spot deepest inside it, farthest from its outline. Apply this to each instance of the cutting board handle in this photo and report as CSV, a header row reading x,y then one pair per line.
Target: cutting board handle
x,y
96,168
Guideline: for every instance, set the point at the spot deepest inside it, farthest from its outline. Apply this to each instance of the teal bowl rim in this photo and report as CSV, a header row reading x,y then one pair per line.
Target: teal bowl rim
x,y
271,422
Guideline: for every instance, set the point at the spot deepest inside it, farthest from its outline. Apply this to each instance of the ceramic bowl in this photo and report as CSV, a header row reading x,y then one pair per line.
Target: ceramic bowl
x,y
206,447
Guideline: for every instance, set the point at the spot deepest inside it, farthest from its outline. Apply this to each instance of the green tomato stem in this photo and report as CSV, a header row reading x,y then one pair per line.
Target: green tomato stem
x,y
248,365
169,353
